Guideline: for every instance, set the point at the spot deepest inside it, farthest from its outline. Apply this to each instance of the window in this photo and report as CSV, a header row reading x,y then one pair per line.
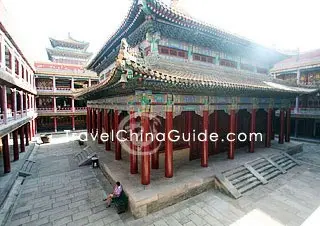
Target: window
x,y
202,58
228,63
173,52
8,58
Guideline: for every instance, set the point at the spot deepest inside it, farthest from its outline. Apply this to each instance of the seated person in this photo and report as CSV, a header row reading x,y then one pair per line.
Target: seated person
x,y
116,193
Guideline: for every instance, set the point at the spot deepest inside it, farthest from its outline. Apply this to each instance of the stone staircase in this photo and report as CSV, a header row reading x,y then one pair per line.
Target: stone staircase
x,y
237,181
84,156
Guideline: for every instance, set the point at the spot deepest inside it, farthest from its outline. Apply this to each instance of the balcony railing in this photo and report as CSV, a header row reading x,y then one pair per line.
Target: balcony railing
x,y
64,109
80,109
19,114
45,109
306,111
45,88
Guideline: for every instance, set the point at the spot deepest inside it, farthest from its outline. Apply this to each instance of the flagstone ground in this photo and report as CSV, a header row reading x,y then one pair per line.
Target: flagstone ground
x,y
61,193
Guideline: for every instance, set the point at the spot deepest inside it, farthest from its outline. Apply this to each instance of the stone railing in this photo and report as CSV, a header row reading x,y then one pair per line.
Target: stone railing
x,y
306,111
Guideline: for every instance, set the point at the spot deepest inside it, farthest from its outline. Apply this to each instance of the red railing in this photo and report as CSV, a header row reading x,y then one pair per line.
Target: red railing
x,y
80,108
44,88
45,109
11,116
64,109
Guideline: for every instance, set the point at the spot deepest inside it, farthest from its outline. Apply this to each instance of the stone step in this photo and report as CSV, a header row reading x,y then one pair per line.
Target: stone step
x,y
278,157
260,164
238,174
233,171
272,175
266,167
246,182
285,164
283,160
291,165
239,179
249,186
269,171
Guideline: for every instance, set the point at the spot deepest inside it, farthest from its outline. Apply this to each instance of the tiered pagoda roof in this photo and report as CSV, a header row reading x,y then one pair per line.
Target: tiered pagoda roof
x,y
173,24
70,48
69,43
307,60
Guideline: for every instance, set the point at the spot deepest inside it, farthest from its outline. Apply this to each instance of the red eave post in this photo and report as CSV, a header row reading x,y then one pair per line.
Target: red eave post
x,y
99,122
55,126
26,133
6,154
168,143
15,145
145,155
154,147
288,118
107,129
94,122
22,143
73,123
281,126
205,148
133,153
216,130
4,103
269,123
116,141
252,129
232,120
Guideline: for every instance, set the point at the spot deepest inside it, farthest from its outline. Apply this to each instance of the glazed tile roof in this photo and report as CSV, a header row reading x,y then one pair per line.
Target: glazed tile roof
x,y
70,53
309,59
192,77
69,42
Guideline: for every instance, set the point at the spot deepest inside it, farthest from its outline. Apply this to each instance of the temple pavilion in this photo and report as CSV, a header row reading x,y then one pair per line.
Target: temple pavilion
x,y
189,75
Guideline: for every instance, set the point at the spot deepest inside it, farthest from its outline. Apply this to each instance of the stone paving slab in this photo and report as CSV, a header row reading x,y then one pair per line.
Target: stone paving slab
x,y
69,195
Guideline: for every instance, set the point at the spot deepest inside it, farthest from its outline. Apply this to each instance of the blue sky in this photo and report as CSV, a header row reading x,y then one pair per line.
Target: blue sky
x,y
282,24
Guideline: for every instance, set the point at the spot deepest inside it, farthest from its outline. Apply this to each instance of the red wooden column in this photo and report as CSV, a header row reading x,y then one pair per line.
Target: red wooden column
x,y
232,122
168,143
281,126
99,122
188,127
107,129
26,133
205,148
73,122
154,149
269,124
94,121
252,129
145,157
216,130
6,154
133,153
29,130
288,119
87,120
14,103
3,103
22,144
15,145
55,126
273,117
116,142
35,126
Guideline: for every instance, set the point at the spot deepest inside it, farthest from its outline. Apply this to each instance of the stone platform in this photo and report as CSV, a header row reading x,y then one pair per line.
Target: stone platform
x,y
189,177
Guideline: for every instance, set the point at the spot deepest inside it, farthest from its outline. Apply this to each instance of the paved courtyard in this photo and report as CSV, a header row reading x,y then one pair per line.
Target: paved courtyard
x,y
61,193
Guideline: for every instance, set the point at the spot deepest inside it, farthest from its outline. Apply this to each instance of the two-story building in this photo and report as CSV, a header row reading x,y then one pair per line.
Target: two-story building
x,y
17,98
303,70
